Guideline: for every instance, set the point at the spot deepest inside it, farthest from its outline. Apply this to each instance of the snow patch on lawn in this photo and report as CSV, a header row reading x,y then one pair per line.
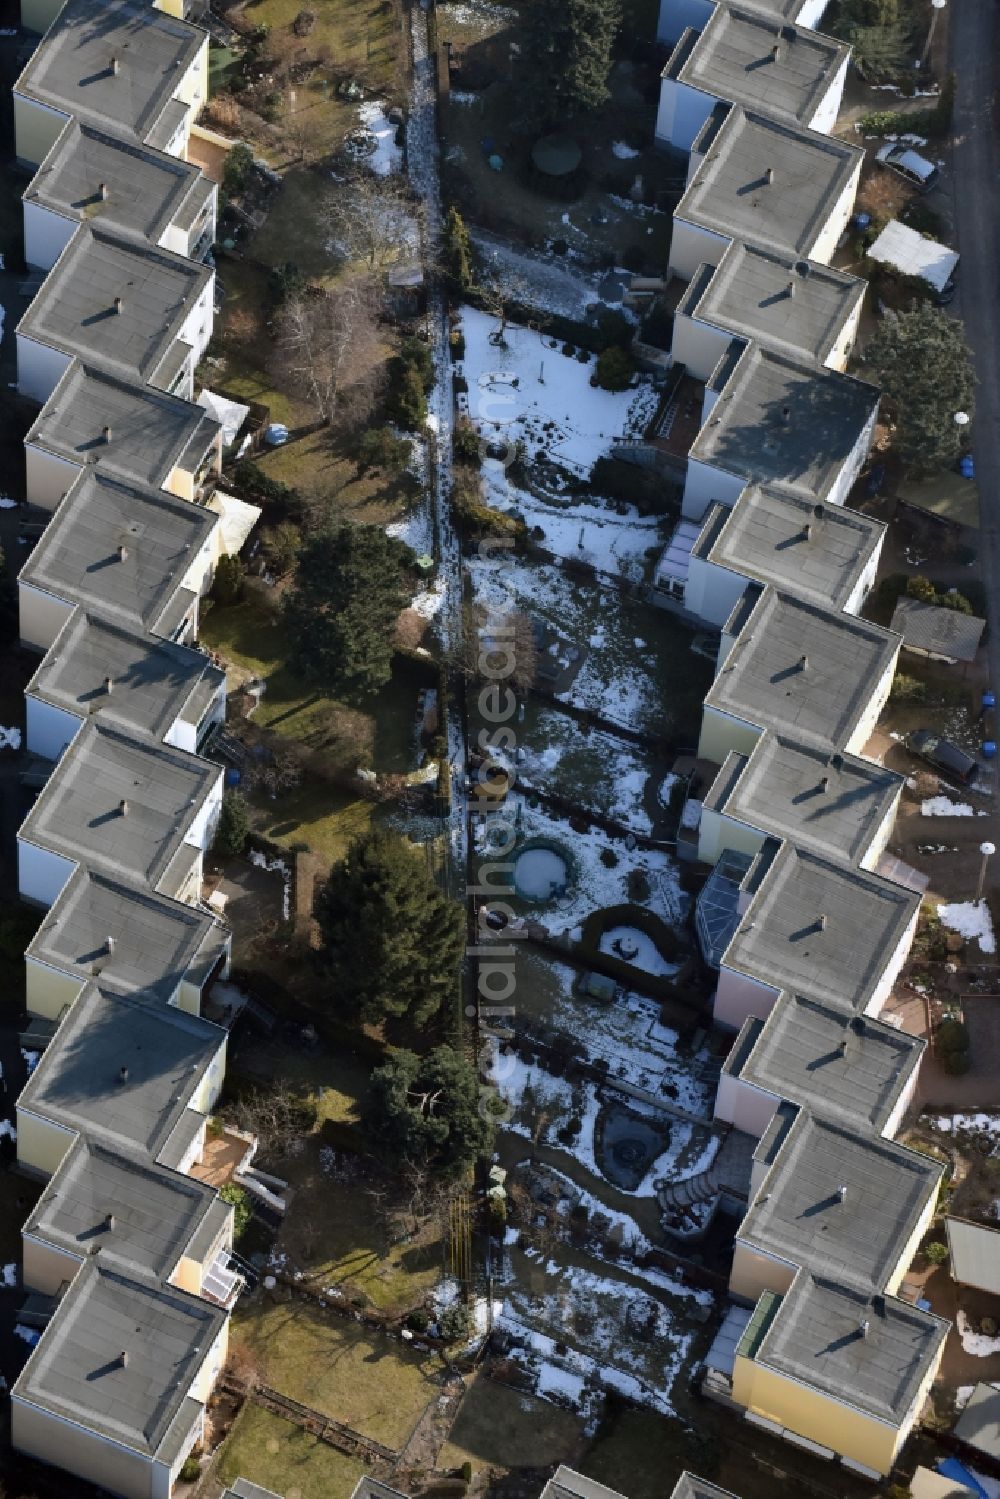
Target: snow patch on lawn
x,y
276,865
971,920
624,151
976,1343
633,946
982,1123
387,156
10,738
943,806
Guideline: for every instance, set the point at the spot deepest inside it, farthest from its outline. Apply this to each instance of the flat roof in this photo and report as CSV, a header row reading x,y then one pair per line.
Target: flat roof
x,y
831,803
74,70
801,670
817,1338
821,928
134,431
979,1423
75,309
785,421
750,58
80,813
797,307
841,1202
156,942
153,681
939,631
144,190
850,1068
140,1217
689,1486
77,1371
122,1070
778,536
730,194
79,555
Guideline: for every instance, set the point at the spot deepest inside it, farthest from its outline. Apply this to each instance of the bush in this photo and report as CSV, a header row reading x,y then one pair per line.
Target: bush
x,y
933,122
569,350
407,401
615,369
906,689
465,442
238,169
455,1322
280,545
936,1252
418,1319
234,825
381,447
270,109
285,283
227,586
258,487
190,1470
467,1471
239,1199
419,354
629,483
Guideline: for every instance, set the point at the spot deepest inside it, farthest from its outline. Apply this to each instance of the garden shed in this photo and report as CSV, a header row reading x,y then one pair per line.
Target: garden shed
x,y
914,254
975,1254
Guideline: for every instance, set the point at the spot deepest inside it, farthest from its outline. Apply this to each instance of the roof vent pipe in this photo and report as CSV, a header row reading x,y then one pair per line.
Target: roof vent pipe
x,y
821,923
109,944
842,1193
776,52
790,289
824,782
109,1222
106,432
123,1358
123,807
122,551
119,304
786,414
863,1327
803,663
807,532
102,191
768,175
109,683
114,66
123,1075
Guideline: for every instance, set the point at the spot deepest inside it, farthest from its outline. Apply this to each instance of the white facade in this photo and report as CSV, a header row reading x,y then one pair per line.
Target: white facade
x,y
744,1106
681,113
677,15
42,616
48,478
739,996
711,591
703,484
41,874
39,368
692,246
49,729
46,235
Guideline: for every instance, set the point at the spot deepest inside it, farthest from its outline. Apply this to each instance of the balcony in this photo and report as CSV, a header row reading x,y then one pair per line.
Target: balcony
x,y
220,1282
225,1155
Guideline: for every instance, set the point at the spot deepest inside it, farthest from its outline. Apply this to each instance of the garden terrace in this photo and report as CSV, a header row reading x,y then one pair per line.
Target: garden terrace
x,y
801,670
730,196
820,928
783,421
845,1067
771,535
793,306
136,432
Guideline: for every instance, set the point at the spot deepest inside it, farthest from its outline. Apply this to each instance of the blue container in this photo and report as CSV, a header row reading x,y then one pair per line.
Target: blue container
x,y
989,700
862,220
990,749
966,467
233,776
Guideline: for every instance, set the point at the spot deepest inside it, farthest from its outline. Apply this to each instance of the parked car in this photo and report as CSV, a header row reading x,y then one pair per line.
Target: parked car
x,y
909,164
946,757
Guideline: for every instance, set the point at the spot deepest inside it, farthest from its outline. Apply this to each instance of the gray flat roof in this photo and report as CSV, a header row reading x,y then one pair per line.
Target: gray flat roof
x,y
79,812
155,1212
821,928
566,1483
689,1486
979,1423
79,1081
244,1489
145,191
942,632
75,308
831,803
77,1373
784,421
846,1067
729,193
796,306
801,670
157,942
856,1237
78,557
153,681
778,536
750,58
73,68
817,1338
134,431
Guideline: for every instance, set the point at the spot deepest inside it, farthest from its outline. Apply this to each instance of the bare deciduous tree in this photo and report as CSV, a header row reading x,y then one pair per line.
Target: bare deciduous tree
x,y
277,1115
328,347
497,647
371,221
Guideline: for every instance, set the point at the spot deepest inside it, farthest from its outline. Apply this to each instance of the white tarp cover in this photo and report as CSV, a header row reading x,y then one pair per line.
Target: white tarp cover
x,y
237,519
914,255
229,414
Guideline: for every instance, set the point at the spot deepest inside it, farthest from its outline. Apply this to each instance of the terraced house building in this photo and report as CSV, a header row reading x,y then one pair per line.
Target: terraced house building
x,y
804,916
132,1250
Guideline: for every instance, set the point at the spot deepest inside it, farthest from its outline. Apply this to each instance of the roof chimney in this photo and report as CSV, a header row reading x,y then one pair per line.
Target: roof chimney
x,y
790,289
786,414
119,304
106,432
109,944
123,1075
821,923
102,191
123,807
109,683
842,1193
109,1222
807,532
122,551
114,66
776,52
768,175
803,663
863,1327
824,782
123,1358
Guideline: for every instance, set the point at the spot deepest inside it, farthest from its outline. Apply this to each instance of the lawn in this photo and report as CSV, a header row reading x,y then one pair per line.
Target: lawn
x,y
502,1427
282,1457
241,348
329,481
365,1379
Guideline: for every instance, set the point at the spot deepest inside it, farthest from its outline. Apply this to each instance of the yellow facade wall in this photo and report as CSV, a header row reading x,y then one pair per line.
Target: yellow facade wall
x,y
909,1249
173,8
40,1144
36,130
815,1416
753,1273
180,483
720,733
49,991
189,998
187,1276
209,1371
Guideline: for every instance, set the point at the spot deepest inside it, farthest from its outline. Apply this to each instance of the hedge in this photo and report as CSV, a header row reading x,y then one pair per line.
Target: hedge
x,y
588,949
933,122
